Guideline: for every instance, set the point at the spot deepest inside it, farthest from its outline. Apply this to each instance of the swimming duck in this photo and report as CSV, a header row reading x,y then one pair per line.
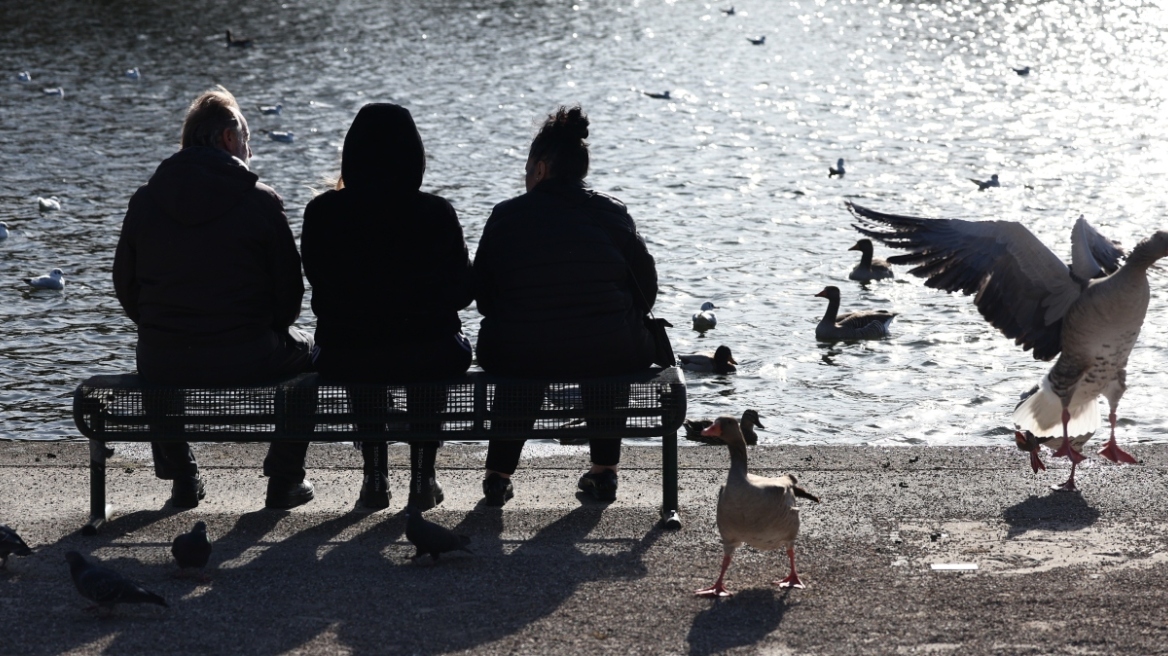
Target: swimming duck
x,y
757,41
869,268
694,428
664,95
838,170
50,204
753,509
285,137
55,280
233,42
864,324
982,185
54,91
133,74
721,362
729,12
271,110
1024,71
24,76
705,319
1088,314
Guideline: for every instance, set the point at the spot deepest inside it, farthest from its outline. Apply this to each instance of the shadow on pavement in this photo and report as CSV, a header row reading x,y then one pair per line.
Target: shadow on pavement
x,y
744,619
1056,511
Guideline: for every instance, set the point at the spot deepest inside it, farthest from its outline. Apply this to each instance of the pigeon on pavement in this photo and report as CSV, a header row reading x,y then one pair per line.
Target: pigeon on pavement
x,y
11,544
430,538
192,550
105,587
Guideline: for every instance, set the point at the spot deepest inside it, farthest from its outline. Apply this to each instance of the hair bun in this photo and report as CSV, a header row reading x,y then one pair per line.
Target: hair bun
x,y
573,122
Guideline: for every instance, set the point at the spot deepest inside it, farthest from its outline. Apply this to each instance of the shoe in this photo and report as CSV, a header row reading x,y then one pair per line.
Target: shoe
x,y
497,490
186,491
601,486
375,492
284,494
431,495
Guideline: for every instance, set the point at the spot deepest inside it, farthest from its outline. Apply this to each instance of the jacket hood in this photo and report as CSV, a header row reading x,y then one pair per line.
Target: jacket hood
x,y
199,184
383,150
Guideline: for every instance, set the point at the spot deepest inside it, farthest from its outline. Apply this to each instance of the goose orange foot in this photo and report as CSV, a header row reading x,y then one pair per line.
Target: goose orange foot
x,y
715,591
792,581
1112,452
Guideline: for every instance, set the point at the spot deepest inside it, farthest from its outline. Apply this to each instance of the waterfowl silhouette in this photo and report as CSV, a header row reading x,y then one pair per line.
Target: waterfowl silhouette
x,y
982,185
233,42
863,324
721,362
838,170
705,319
869,268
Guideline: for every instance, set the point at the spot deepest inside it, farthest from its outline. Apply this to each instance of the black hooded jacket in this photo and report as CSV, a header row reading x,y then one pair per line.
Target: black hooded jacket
x,y
206,256
387,263
555,272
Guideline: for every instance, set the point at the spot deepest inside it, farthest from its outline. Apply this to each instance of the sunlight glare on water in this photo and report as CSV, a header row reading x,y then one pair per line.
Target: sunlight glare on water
x,y
727,179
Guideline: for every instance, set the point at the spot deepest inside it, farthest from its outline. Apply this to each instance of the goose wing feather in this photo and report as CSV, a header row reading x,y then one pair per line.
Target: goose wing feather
x,y
1092,254
1023,289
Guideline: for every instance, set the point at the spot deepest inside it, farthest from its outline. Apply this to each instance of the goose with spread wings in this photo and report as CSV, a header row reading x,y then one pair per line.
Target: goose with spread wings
x,y
1088,314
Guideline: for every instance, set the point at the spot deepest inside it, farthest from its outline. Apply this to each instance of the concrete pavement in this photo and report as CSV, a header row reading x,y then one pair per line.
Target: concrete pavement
x,y
1058,573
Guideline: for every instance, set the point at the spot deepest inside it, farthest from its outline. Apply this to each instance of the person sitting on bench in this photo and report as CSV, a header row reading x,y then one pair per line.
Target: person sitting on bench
x,y
556,273
207,267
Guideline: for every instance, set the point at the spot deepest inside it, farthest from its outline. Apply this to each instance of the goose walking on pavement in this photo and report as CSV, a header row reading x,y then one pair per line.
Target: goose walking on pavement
x,y
753,510
862,324
1088,314
869,268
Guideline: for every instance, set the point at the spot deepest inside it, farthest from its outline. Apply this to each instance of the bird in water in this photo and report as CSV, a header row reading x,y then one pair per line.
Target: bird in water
x,y
105,587
721,362
3,230
862,324
869,268
729,12
753,510
54,91
664,95
11,545
982,185
431,538
235,42
705,319
24,76
758,41
50,204
192,550
1088,314
750,420
1024,71
271,110
54,280
133,74
281,136
838,169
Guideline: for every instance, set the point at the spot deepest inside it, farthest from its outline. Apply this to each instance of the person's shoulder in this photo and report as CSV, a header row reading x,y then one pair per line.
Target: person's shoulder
x,y
434,203
608,202
268,197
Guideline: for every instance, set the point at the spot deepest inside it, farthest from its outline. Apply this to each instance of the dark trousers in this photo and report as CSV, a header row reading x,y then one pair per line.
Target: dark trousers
x,y
503,455
272,357
433,360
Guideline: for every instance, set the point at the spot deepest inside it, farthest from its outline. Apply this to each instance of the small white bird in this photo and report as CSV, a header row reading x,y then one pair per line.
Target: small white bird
x,y
705,319
55,280
982,185
133,74
838,170
271,110
753,509
3,230
757,41
284,137
54,91
23,76
50,204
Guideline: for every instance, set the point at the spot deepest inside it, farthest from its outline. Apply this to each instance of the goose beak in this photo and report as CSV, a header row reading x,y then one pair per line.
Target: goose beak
x,y
823,295
732,361
758,424
713,430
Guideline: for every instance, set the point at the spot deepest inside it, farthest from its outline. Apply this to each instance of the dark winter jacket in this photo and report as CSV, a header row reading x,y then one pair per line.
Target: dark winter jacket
x,y
387,263
206,256
554,282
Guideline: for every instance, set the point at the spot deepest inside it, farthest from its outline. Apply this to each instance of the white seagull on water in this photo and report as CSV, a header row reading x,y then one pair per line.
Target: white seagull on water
x,y
55,280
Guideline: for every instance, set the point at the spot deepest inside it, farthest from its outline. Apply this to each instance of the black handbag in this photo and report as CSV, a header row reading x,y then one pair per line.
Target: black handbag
x,y
662,350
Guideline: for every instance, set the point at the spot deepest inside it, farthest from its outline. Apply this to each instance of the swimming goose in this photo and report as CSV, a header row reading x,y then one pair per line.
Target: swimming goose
x,y
721,362
694,428
233,42
869,268
757,41
838,170
50,204
753,510
982,185
705,319
1088,314
3,230
864,324
54,280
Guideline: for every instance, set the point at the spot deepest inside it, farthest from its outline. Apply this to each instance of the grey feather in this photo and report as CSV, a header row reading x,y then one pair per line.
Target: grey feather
x,y
105,587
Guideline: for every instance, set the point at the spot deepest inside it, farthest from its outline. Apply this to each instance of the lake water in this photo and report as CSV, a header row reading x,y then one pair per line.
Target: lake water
x,y
727,180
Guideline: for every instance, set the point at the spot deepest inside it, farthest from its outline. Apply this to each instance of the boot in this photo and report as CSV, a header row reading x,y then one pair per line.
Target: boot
x,y
375,490
425,492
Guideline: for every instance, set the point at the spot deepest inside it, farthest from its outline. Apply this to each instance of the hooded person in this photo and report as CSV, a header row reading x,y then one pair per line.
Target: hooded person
x,y
206,266
389,270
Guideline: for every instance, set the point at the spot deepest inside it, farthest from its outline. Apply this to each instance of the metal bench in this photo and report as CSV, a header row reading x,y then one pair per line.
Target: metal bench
x,y
475,407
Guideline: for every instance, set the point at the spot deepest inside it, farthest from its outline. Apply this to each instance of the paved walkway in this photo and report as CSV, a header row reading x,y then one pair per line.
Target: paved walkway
x,y
1057,573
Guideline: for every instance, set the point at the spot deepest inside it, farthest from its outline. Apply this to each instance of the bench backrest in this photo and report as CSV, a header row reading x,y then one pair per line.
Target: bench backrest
x,y
477,406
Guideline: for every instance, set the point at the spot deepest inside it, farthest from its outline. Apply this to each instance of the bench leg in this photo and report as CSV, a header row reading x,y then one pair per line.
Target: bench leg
x,y
99,512
669,512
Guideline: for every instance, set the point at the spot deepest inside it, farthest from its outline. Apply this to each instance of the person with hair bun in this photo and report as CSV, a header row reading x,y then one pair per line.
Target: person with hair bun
x,y
563,281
